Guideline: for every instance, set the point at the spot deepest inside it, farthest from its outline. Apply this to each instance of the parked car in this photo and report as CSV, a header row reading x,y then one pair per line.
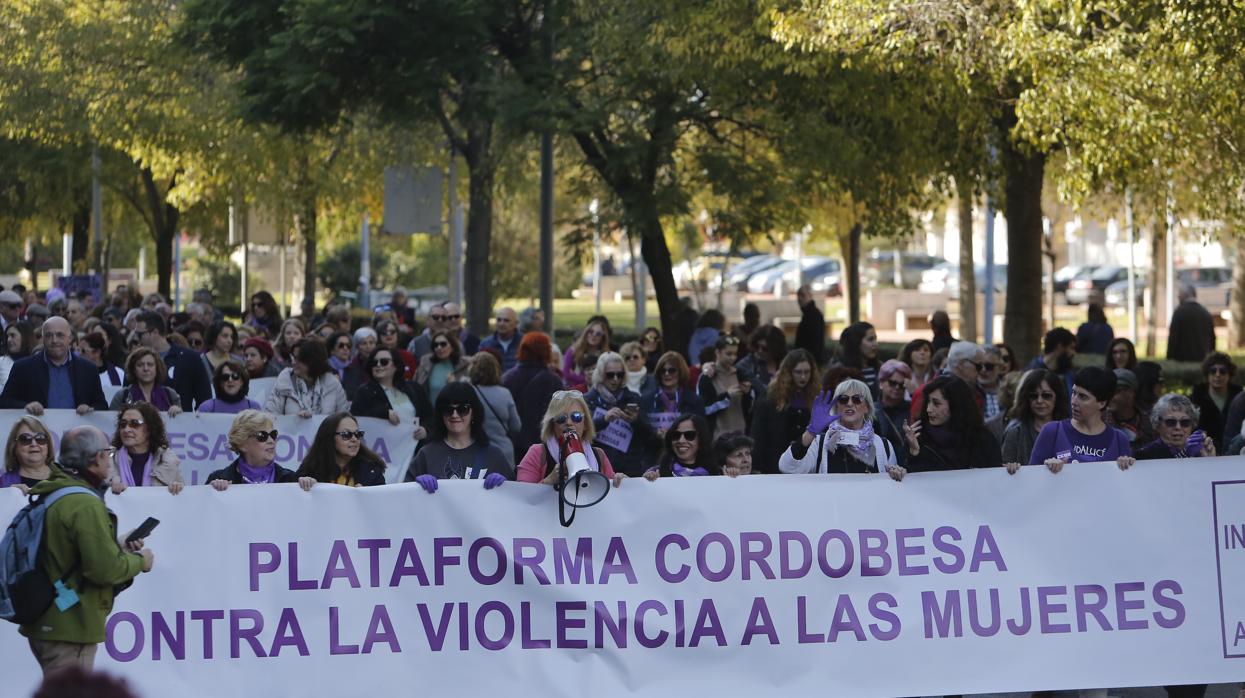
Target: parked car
x,y
945,278
823,277
879,268
1203,277
1085,289
1065,275
786,272
737,276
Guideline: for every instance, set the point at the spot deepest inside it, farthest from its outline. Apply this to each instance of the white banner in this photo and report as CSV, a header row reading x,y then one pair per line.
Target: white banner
x,y
949,583
201,441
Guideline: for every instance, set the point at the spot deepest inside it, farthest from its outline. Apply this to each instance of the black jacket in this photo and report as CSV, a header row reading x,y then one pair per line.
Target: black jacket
x,y
532,385
810,334
370,401
1191,335
233,474
1212,420
773,430
188,375
709,395
982,452
353,378
366,473
643,439
28,382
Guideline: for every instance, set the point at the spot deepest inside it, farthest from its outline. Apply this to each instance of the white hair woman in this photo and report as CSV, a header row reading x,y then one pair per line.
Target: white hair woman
x,y
1174,417
842,425
567,412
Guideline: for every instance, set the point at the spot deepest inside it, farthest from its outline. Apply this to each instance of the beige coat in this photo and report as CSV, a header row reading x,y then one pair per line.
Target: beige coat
x,y
166,468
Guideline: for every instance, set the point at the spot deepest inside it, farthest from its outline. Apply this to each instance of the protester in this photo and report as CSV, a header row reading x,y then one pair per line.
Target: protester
x,y
254,438
356,373
639,380
388,396
1085,437
893,409
1191,334
258,356
623,431
988,381
672,397
532,384
292,332
28,455
338,456
732,454
80,543
594,339
567,412
1150,383
19,340
141,456
93,348
309,387
687,450
1174,419
842,426
1095,335
115,351
1213,396
781,414
858,348
919,355
10,308
443,366
965,361
505,338
584,367
387,334
1125,415
1008,357
810,334
222,343
651,343
144,382
187,374
940,325
265,315
454,323
1121,354
1058,353
997,424
768,348
712,324
232,386
341,350
53,378
337,317
727,392
949,433
501,414
421,343
1040,400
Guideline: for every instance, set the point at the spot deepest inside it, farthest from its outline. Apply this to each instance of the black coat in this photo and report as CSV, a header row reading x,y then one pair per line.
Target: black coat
x,y
188,375
370,401
231,473
709,395
982,452
28,382
353,378
1212,420
810,334
532,385
773,430
366,473
1192,333
636,460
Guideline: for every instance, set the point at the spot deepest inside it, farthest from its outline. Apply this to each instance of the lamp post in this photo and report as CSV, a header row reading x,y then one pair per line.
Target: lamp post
x,y
594,208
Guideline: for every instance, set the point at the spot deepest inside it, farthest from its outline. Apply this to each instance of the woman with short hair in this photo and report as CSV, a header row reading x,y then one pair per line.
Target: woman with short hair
x,y
623,430
309,387
1175,418
142,457
253,437
387,396
338,456
639,380
567,412
687,450
28,457
732,452
230,384
1085,437
144,377
1214,395
841,424
222,341
458,447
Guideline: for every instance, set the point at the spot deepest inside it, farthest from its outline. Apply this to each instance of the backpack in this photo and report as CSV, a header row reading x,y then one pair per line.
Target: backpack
x,y
26,592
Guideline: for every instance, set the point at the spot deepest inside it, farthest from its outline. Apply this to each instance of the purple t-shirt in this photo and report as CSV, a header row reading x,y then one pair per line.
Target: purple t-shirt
x,y
1062,440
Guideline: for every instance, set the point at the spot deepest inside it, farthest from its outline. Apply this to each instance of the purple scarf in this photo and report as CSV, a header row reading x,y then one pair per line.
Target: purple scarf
x,y
8,479
124,467
670,403
682,471
257,476
159,397
863,450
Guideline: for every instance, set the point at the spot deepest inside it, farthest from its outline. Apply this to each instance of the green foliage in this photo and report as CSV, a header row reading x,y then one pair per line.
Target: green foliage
x,y
413,262
222,276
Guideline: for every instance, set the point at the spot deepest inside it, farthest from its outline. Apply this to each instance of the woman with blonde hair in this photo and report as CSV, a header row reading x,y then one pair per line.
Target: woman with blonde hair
x,y
567,412
254,438
595,339
28,458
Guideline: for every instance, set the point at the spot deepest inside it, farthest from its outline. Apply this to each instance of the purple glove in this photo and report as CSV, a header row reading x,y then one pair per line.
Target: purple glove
x,y
428,482
821,416
1194,445
493,480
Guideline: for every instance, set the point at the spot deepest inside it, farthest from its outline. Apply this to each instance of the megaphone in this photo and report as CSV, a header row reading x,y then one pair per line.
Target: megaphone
x,y
580,486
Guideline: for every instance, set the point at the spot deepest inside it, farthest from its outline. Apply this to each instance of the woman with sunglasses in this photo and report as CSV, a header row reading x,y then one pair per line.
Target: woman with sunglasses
x,y
672,397
769,348
894,408
842,429
28,458
639,380
781,414
338,456
458,448
265,315
532,383
623,431
1085,437
727,391
230,384
1214,395
594,339
1175,418
443,366
387,396
687,450
254,438
309,387
949,434
142,457
567,412
341,351
145,375
1008,357
389,334
651,343
222,342
1040,399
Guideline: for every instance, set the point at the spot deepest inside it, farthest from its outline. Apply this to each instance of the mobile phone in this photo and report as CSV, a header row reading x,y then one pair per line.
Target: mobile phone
x,y
144,530
631,408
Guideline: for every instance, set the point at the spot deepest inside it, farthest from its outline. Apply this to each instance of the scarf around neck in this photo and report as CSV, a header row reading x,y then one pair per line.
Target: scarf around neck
x,y
125,469
256,476
863,450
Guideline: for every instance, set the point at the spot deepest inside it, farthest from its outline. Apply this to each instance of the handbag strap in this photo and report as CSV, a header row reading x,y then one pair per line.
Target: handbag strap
x,y
492,409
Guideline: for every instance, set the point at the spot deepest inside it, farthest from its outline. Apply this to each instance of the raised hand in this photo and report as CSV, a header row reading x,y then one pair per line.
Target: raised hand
x,y
821,416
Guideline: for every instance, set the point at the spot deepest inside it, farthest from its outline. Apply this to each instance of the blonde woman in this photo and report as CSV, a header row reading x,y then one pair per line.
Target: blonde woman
x,y
567,412
595,339
254,438
28,456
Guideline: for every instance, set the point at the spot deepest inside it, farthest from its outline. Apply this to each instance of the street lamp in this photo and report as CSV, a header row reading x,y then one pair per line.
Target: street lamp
x,y
594,208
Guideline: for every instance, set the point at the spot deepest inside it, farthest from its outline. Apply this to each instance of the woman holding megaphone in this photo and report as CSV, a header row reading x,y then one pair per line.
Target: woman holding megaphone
x,y
566,432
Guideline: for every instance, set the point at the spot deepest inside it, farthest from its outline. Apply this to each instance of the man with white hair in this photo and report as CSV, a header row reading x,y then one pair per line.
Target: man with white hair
x,y
1191,335
964,361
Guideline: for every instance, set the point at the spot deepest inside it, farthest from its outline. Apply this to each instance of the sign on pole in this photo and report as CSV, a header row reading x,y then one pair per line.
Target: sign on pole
x,y
412,200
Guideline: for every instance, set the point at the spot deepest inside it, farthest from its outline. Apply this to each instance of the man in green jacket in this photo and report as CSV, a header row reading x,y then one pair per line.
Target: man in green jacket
x,y
80,546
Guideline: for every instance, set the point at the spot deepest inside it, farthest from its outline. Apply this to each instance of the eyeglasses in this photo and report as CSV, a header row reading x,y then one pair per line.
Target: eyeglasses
x,y
461,410
1217,370
1045,395
27,439
504,319
262,436
854,399
382,361
1172,422
106,451
450,318
614,375
979,367
256,304
347,435
894,384
12,306
576,417
130,423
226,376
437,318
440,345
689,435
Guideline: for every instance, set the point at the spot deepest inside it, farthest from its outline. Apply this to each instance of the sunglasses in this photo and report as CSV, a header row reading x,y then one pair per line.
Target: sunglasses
x,y
131,423
262,436
460,410
1047,396
669,371
894,384
1217,370
343,345
440,345
227,376
437,318
689,435
595,333
27,439
1172,422
383,361
576,417
614,375
730,341
854,399
987,366
347,435
980,367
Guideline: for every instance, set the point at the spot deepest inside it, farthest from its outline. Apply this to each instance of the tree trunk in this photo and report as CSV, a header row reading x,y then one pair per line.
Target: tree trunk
x,y
305,222
1236,331
481,173
163,220
968,274
1022,325
82,235
1158,273
661,270
849,245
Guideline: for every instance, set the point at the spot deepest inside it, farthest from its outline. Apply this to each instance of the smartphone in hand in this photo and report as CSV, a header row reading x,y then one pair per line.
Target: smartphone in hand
x,y
143,530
